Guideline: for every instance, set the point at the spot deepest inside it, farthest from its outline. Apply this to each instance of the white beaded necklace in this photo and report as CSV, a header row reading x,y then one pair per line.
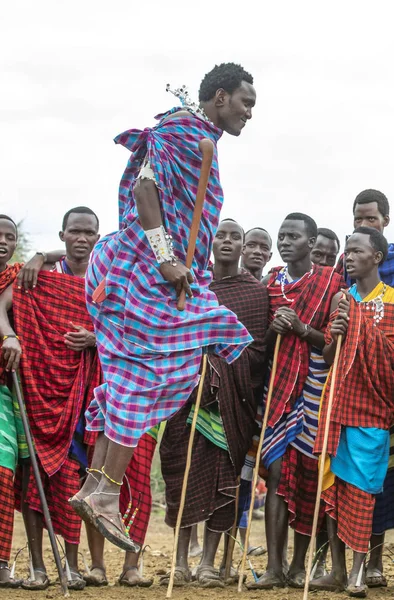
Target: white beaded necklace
x,y
377,306
282,282
183,94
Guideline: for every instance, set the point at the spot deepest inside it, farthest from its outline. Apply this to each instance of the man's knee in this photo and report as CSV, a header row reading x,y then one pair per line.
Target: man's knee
x,y
274,472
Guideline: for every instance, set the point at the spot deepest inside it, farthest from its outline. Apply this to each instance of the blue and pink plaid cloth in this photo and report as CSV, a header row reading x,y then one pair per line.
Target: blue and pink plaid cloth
x,y
149,351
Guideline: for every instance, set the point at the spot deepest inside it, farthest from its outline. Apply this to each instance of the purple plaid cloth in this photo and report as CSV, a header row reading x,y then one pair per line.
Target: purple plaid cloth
x,y
149,351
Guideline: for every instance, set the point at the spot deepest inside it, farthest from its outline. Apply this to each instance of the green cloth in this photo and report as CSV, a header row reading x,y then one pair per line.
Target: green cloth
x,y
154,432
23,450
210,425
8,431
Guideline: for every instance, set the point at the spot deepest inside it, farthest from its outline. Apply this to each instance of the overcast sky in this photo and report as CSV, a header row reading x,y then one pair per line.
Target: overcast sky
x,y
74,74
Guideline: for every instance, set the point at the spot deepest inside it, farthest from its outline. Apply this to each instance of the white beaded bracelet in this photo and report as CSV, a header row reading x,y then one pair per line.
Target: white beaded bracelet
x,y
161,243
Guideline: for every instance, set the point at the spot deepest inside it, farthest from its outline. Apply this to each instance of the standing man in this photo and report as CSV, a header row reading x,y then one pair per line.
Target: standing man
x,y
136,275
300,296
257,251
363,408
371,208
59,370
225,423
326,248
8,420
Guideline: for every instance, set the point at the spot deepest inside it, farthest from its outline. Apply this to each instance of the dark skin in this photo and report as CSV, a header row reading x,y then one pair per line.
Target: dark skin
x,y
230,112
294,245
79,237
8,241
227,247
362,263
325,251
256,252
368,215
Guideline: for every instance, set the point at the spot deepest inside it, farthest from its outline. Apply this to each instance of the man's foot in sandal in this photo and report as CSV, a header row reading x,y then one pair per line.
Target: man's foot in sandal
x,y
328,583
232,579
110,526
354,590
268,581
6,581
208,577
76,582
96,577
296,579
131,577
39,582
375,578
182,577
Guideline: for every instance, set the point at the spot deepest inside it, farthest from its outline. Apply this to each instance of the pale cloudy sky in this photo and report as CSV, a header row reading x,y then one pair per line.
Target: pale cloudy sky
x,y
74,74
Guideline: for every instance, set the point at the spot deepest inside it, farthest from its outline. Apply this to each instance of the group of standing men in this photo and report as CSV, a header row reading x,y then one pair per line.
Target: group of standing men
x,y
108,387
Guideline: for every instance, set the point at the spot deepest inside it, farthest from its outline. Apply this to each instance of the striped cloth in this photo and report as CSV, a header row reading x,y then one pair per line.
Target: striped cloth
x,y
138,327
7,496
297,424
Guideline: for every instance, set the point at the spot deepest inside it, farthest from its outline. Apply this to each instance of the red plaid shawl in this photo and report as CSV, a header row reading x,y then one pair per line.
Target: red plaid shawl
x,y
312,299
365,377
56,380
7,277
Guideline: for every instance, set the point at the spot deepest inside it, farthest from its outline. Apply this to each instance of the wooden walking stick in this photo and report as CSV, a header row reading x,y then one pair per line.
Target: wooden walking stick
x,y
321,467
232,537
258,454
186,475
206,149
44,505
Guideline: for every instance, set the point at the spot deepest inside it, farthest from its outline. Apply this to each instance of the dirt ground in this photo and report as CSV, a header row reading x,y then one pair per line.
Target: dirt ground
x,y
157,561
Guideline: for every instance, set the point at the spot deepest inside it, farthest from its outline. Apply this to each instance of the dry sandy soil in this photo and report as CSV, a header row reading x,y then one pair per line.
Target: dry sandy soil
x,y
157,561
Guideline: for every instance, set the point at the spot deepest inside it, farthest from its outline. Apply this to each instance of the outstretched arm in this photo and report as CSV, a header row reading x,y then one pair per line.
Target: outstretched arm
x,y
11,349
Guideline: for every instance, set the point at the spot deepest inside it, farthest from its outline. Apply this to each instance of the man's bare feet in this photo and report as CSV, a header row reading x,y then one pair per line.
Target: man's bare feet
x,y
6,581
328,583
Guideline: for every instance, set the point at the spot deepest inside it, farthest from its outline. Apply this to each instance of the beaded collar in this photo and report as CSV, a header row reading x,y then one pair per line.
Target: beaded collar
x,y
183,94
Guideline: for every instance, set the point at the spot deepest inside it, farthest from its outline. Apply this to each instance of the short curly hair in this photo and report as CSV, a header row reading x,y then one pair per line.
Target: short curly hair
x,y
368,196
228,76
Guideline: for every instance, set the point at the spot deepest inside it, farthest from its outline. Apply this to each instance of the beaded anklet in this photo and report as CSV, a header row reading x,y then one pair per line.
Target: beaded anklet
x,y
110,478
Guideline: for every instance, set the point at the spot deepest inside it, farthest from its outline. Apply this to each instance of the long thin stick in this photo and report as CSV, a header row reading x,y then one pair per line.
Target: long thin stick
x,y
186,476
321,468
258,454
206,149
44,505
231,538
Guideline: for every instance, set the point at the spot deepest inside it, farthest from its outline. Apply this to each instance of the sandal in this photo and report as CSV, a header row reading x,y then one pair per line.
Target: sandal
x,y
296,580
10,582
111,527
34,584
208,577
375,579
182,577
139,582
96,577
257,551
82,508
76,582
357,591
232,578
267,581
327,583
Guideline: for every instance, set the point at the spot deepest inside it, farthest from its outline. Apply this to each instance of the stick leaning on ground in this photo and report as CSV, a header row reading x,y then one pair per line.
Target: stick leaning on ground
x,y
258,454
206,149
321,468
44,505
186,477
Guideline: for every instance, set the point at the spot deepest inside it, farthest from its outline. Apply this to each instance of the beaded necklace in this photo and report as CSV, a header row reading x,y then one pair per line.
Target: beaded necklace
x,y
377,306
183,94
285,276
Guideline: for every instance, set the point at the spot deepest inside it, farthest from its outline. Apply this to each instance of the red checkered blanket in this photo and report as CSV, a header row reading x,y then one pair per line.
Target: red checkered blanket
x,y
56,381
